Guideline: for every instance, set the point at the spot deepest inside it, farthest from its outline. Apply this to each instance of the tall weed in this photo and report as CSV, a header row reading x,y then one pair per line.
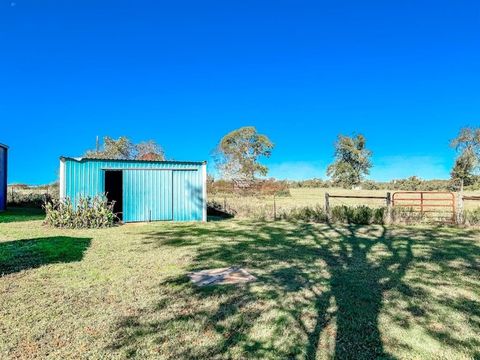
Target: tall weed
x,y
90,212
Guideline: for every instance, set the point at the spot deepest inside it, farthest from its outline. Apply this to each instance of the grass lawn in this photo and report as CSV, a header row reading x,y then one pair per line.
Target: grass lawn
x,y
322,292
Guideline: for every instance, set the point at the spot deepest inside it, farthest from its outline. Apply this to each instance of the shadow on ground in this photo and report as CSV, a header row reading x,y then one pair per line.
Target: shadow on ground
x,y
21,255
320,291
21,214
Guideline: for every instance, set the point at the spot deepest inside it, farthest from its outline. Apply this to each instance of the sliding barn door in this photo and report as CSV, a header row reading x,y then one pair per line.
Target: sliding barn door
x,y
187,196
147,195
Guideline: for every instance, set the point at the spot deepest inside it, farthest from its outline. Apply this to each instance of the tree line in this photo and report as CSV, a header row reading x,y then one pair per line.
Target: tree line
x,y
239,155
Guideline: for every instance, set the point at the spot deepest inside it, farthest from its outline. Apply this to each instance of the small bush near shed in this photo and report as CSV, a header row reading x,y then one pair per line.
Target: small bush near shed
x,y
91,212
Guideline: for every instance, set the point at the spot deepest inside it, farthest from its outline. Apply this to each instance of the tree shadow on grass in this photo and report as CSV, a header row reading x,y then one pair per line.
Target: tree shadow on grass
x,y
320,291
19,255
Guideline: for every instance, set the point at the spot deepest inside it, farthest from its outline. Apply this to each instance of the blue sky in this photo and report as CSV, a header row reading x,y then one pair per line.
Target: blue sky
x,y
405,74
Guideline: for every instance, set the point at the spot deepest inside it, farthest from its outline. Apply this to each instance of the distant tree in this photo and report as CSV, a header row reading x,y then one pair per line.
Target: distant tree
x,y
238,153
412,183
352,161
467,145
123,148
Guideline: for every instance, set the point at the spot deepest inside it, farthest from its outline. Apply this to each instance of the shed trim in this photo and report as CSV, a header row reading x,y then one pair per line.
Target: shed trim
x,y
204,192
151,169
84,159
62,184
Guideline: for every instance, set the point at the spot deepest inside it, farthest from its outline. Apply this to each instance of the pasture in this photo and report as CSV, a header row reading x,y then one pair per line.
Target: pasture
x,y
321,291
261,207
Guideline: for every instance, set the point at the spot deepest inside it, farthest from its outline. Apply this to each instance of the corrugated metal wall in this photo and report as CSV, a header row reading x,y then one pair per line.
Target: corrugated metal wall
x,y
3,178
151,190
147,195
187,199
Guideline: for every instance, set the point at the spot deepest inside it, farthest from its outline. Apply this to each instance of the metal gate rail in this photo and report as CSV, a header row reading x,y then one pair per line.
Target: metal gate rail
x,y
426,201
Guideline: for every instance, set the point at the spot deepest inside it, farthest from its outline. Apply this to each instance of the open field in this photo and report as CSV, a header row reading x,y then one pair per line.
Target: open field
x,y
322,292
262,207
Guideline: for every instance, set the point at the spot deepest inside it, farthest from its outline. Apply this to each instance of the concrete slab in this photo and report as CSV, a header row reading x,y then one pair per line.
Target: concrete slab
x,y
221,276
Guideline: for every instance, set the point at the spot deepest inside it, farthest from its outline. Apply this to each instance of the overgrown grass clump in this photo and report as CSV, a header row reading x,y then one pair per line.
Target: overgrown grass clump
x,y
472,217
90,212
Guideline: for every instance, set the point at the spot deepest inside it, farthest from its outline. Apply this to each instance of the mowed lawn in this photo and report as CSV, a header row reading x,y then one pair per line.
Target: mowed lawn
x,y
321,291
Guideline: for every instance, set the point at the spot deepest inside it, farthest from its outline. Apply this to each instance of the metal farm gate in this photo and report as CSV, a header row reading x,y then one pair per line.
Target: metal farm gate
x,y
440,203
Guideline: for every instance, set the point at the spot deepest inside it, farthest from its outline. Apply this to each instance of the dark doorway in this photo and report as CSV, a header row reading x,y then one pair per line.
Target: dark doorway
x,y
114,190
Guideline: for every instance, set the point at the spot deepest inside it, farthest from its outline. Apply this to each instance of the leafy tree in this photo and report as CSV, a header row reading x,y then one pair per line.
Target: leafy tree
x,y
463,169
352,161
238,153
412,183
467,145
150,150
123,148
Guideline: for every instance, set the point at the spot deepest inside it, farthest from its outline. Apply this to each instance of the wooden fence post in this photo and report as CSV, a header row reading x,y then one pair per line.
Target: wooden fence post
x,y
327,204
459,214
388,220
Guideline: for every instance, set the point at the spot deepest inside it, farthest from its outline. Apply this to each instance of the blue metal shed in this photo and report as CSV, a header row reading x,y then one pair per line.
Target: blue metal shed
x,y
3,176
142,190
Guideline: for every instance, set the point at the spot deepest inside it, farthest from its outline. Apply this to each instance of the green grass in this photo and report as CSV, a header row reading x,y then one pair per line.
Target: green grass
x,y
21,214
322,292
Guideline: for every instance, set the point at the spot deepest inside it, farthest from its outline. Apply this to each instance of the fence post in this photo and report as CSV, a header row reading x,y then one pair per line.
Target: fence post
x,y
327,205
388,198
225,203
459,215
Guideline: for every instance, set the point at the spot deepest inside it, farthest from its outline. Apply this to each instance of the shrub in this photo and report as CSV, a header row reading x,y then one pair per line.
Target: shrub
x,y
472,217
28,200
379,215
21,195
342,213
307,213
361,215
90,212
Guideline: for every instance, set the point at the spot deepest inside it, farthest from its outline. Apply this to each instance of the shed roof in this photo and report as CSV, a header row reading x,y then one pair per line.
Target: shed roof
x,y
85,159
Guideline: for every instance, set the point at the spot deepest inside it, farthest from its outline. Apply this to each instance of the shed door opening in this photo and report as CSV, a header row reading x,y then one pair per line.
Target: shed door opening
x,y
114,190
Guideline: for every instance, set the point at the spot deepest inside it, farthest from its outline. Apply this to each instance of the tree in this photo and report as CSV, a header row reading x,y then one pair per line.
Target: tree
x,y
467,145
238,153
352,161
123,148
150,150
